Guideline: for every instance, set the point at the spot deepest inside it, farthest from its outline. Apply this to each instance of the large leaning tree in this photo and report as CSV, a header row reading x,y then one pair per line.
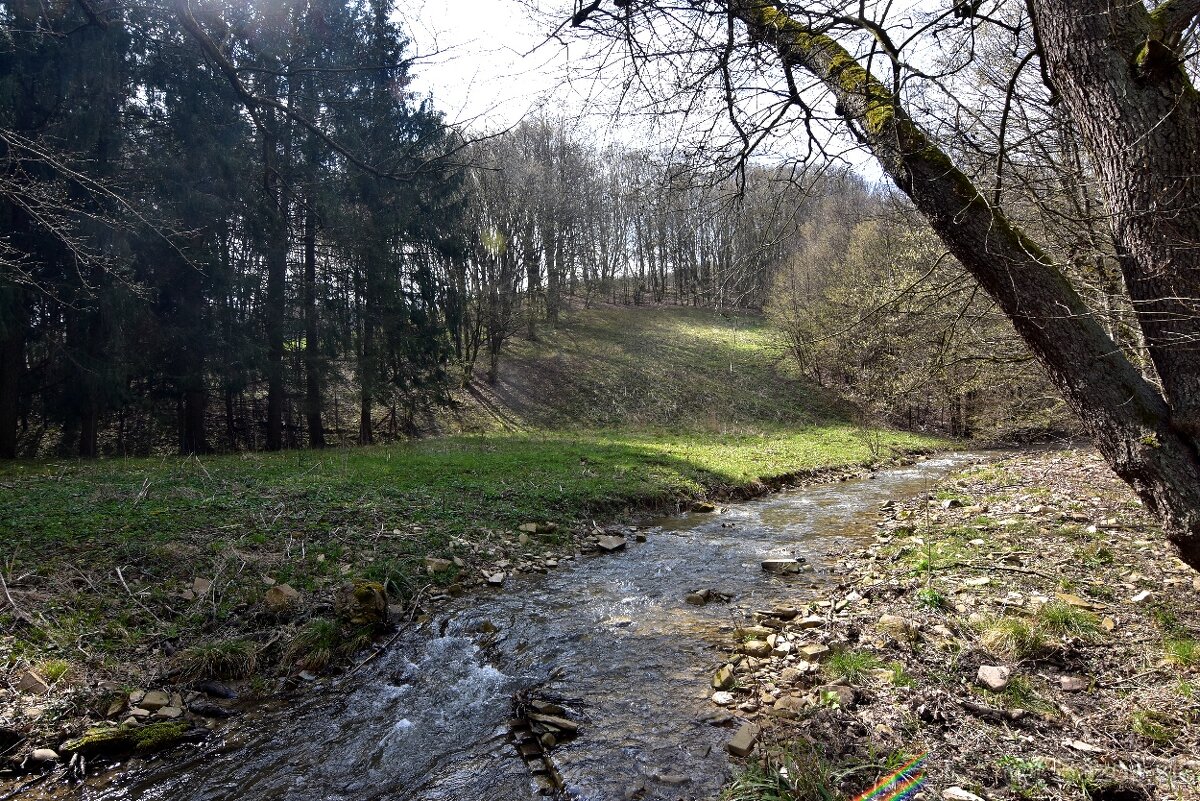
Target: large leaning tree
x,y
1113,75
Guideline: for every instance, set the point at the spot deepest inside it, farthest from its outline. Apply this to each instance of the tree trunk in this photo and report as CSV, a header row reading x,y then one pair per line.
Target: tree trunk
x,y
1117,73
312,352
193,435
1128,417
12,369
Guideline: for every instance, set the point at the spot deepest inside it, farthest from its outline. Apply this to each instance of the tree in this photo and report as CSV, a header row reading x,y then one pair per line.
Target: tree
x,y
1119,69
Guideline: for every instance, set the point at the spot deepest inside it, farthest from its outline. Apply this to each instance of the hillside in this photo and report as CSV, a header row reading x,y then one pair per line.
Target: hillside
x,y
663,367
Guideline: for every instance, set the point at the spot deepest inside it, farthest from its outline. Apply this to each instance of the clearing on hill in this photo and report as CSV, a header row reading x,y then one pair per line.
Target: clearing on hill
x,y
648,367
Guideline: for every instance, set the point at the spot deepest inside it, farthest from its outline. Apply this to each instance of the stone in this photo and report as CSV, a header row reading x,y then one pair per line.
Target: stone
x,y
994,677
137,713
723,679
32,682
759,648
363,603
842,693
959,794
790,675
703,506
201,586
743,742
716,717
610,544
496,579
154,700
785,612
561,724
789,706
44,755
781,648
699,598
1141,596
1072,684
282,598
169,713
810,622
538,528
434,564
136,697
781,566
722,698
897,626
523,539
814,651
1074,600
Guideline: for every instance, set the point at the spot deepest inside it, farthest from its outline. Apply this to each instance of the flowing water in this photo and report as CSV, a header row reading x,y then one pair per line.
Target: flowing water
x,y
611,635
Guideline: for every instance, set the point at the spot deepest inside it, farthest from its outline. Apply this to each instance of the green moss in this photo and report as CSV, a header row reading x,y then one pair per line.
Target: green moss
x,y
143,739
158,736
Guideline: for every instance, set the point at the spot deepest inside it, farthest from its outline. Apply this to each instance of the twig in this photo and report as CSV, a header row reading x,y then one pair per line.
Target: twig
x,y
4,584
135,599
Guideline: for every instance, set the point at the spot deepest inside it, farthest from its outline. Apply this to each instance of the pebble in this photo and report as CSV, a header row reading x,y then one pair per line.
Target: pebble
x,y
1073,684
32,682
154,700
722,698
994,677
44,755
959,794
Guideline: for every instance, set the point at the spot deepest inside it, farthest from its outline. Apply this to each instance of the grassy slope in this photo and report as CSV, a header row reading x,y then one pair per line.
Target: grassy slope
x,y
723,417
680,368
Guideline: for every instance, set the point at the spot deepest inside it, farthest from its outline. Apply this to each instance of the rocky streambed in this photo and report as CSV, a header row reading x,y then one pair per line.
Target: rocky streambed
x,y
593,681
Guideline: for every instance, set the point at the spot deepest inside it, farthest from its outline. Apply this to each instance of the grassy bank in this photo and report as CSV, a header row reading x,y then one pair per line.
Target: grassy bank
x,y
167,570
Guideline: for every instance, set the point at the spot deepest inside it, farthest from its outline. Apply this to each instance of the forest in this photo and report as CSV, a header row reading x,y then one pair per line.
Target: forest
x,y
262,239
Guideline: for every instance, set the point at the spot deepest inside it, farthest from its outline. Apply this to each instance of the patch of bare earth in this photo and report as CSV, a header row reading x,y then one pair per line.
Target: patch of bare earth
x,y
1025,625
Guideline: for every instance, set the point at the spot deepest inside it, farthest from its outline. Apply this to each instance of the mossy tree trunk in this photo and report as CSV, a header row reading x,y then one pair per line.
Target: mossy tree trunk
x,y
1146,436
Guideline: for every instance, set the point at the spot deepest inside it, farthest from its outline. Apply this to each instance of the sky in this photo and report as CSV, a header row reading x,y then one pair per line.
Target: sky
x,y
481,59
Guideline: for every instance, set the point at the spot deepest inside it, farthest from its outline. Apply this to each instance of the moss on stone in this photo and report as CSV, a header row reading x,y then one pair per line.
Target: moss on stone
x,y
143,739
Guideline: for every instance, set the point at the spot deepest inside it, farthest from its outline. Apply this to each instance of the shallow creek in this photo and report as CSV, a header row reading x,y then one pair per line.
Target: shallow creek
x,y
611,635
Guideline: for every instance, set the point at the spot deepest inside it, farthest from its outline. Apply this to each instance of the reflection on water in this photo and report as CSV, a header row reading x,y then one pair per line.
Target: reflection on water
x,y
609,634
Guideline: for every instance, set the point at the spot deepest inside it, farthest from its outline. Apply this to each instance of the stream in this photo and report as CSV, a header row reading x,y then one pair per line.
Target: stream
x,y
609,635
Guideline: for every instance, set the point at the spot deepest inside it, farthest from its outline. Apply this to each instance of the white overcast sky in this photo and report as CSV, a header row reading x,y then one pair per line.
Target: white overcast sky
x,y
476,59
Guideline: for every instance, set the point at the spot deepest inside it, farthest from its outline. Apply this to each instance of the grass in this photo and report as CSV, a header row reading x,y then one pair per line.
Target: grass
x,y
661,367
1015,637
317,519
1011,637
617,411
1181,652
225,659
1062,620
1156,727
851,665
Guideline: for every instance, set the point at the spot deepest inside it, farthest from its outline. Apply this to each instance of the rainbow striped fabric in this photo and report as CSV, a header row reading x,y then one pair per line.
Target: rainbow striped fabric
x,y
900,785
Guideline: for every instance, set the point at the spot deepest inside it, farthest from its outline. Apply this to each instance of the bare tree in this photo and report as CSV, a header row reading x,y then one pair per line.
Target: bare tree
x,y
1117,68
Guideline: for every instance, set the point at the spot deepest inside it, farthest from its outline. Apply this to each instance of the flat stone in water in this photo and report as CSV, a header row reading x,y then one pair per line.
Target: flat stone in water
x,y
743,742
782,566
610,544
